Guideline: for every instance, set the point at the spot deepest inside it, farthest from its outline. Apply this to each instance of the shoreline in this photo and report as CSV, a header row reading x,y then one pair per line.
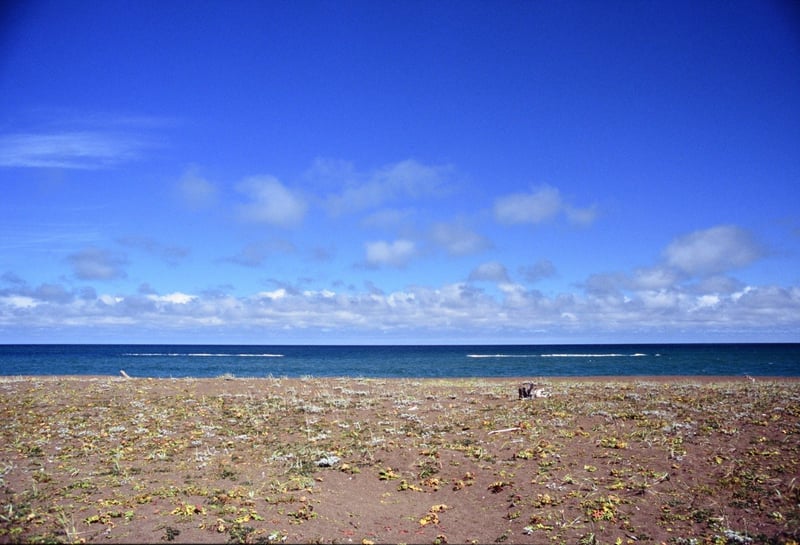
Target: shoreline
x,y
490,379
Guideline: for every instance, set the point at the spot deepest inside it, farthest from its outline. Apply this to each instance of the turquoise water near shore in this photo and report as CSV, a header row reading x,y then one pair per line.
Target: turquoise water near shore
x,y
179,361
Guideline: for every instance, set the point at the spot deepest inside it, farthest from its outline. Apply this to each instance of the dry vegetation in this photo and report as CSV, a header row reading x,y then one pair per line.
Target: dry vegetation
x,y
683,461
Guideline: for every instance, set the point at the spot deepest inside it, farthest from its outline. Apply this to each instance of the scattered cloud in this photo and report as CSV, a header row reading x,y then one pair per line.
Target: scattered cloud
x,y
458,239
490,272
540,205
331,173
695,263
271,202
390,254
543,268
255,253
177,298
581,216
653,278
171,254
661,298
351,191
412,178
458,307
52,293
12,278
711,251
387,218
323,253
87,150
716,284
689,285
97,264
195,191
536,207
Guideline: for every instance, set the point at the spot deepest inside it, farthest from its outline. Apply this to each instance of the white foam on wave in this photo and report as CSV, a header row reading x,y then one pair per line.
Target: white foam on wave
x,y
612,355
502,355
199,355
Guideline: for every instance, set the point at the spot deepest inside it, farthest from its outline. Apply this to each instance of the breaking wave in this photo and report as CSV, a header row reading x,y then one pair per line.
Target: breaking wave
x,y
503,355
637,355
198,355
612,355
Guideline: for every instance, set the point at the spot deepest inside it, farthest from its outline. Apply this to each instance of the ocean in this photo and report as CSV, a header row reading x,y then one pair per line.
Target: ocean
x,y
443,361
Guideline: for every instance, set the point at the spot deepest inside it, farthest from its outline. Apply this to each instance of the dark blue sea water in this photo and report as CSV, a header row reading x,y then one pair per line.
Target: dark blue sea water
x,y
402,361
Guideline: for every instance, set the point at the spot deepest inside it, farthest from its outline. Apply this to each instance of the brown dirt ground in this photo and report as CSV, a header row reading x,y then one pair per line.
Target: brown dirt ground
x,y
638,460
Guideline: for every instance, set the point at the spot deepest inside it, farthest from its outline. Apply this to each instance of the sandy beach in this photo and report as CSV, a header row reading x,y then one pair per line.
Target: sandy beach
x,y
673,460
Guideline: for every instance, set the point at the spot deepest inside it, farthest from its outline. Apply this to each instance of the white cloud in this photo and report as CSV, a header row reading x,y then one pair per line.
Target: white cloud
x,y
55,293
110,300
359,191
458,239
19,301
271,202
274,295
490,272
712,251
255,253
653,278
716,284
177,298
543,268
660,299
394,254
693,263
96,264
195,191
324,294
538,206
707,301
457,309
411,178
71,150
581,216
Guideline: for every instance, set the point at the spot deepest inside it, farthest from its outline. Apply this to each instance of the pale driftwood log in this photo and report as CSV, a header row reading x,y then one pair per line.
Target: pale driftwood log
x,y
506,430
124,374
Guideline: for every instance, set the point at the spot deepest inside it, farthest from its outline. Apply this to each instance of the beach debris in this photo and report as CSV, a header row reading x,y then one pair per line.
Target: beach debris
x,y
735,537
505,430
526,391
432,517
328,461
124,374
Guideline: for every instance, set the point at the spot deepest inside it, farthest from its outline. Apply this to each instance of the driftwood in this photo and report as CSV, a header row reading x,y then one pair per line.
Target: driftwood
x,y
124,374
517,428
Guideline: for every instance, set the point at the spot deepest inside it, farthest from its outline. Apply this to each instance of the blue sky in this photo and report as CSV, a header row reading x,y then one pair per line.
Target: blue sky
x,y
399,172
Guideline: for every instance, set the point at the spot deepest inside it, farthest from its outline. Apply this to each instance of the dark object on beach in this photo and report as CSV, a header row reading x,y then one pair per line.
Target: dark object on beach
x,y
524,392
